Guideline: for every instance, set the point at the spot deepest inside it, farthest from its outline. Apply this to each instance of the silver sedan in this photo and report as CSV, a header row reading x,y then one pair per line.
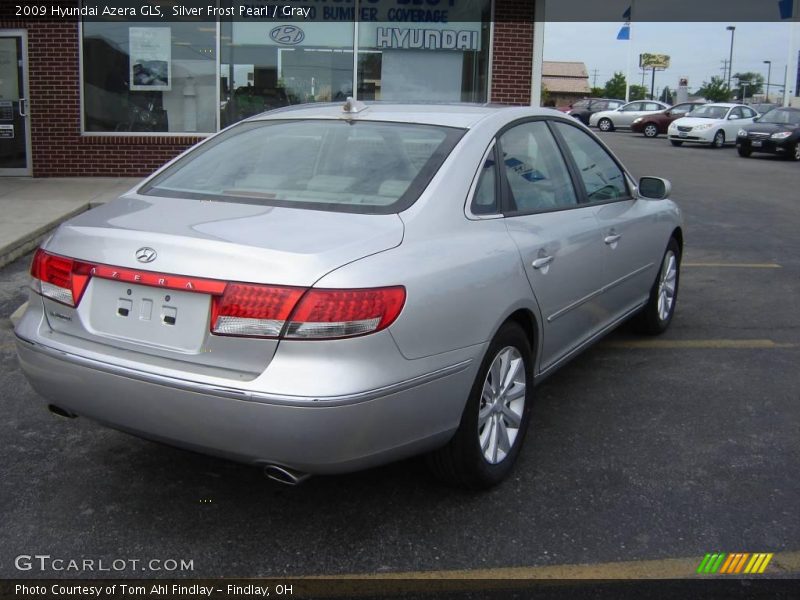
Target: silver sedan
x,y
323,288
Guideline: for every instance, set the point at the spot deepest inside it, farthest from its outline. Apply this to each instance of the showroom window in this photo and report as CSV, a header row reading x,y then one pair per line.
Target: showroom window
x,y
149,78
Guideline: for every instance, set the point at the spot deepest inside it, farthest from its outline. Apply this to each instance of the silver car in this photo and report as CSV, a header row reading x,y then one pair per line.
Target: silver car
x,y
624,116
321,289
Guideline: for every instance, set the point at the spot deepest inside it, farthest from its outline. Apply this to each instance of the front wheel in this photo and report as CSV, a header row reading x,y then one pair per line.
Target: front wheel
x,y
795,153
719,139
483,450
657,314
744,152
605,125
650,130
676,142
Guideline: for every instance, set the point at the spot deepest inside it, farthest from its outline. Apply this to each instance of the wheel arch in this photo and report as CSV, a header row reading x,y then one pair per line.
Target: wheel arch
x,y
677,234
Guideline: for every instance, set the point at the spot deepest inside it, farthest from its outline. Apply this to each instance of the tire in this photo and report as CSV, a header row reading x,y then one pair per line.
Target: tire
x,y
650,130
744,152
676,142
795,153
463,461
719,139
655,317
605,125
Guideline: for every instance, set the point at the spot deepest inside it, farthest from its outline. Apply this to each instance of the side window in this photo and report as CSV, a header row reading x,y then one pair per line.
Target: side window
x,y
680,109
484,201
736,111
537,176
633,106
652,106
601,176
749,112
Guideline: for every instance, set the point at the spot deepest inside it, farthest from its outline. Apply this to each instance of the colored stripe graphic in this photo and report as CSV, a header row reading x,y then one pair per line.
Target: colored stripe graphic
x,y
734,563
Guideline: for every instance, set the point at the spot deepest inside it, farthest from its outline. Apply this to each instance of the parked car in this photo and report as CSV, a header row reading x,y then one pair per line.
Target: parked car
x,y
320,290
713,124
652,124
764,108
624,116
777,132
584,109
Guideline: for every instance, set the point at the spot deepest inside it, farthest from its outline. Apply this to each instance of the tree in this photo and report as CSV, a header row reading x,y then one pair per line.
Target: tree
x,y
638,92
597,92
615,87
666,95
715,90
756,85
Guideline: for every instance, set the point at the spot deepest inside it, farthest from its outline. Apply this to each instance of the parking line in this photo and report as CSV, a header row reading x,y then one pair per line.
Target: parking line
x,y
698,344
664,568
733,265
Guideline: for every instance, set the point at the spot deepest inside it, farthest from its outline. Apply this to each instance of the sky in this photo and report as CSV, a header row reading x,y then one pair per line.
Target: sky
x,y
696,49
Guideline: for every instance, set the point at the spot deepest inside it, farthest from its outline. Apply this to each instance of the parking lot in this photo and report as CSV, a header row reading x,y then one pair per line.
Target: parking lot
x,y
640,449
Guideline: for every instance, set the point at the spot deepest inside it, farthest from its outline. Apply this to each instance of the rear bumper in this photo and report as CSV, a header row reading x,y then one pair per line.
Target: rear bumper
x,y
351,433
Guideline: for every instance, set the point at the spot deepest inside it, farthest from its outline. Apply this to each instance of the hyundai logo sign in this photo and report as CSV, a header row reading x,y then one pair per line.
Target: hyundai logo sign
x,y
145,255
289,35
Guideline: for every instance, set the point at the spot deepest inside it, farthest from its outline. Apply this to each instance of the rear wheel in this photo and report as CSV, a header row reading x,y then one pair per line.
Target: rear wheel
x,y
483,450
744,152
656,315
719,139
676,142
605,125
650,130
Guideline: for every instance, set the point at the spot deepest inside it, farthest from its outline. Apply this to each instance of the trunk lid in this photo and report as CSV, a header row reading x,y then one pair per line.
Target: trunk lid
x,y
198,239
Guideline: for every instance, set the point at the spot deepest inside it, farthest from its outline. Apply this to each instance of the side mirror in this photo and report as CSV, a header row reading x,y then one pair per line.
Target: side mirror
x,y
654,188
733,118
756,118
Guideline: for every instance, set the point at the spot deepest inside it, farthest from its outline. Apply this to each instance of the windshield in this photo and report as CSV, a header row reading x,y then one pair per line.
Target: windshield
x,y
781,116
710,112
339,165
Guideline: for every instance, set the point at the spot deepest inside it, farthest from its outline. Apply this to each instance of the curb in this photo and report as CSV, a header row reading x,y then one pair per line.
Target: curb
x,y
21,246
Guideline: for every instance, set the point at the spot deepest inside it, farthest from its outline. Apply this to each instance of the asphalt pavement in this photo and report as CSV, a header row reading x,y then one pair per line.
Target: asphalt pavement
x,y
640,449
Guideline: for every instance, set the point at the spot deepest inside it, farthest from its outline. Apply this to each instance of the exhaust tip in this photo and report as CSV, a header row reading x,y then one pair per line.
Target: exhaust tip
x,y
61,412
285,475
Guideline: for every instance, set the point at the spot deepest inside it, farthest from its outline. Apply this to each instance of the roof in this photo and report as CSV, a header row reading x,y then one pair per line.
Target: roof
x,y
448,115
553,68
565,77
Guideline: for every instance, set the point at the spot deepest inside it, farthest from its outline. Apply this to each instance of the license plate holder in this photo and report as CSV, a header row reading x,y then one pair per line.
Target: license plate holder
x,y
683,134
756,143
148,315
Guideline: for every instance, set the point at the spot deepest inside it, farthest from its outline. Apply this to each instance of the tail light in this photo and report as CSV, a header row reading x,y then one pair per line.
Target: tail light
x,y
239,309
345,313
61,279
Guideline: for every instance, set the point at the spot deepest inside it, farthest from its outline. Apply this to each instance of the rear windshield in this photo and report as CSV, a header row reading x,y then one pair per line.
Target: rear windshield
x,y
341,165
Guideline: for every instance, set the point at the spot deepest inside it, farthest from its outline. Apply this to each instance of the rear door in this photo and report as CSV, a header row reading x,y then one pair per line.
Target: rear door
x,y
559,240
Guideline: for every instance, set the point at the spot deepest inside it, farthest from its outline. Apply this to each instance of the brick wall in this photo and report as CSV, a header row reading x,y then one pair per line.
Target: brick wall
x,y
58,148
513,52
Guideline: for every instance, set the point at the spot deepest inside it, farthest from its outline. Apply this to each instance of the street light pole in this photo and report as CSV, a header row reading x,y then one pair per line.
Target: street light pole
x,y
732,29
769,73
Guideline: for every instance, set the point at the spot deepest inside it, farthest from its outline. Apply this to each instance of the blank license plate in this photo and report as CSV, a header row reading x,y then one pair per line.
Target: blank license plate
x,y
756,143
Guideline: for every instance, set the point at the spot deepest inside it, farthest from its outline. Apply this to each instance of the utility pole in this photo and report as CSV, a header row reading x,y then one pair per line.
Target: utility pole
x,y
594,78
724,68
732,29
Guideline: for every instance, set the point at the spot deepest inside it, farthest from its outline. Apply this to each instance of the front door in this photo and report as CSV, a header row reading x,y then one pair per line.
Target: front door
x,y
14,119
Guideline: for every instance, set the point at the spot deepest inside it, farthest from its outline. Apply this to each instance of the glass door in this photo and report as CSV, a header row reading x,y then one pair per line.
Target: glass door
x,y
14,119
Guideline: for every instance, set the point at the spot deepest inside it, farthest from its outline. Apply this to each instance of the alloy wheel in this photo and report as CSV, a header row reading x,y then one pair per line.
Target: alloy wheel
x,y
719,139
666,285
604,125
502,404
796,154
650,130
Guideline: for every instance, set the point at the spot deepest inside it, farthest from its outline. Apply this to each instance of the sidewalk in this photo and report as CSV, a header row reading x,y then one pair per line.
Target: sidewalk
x,y
30,208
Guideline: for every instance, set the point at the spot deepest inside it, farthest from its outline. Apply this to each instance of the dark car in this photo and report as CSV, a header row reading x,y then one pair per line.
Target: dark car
x,y
777,132
583,109
653,124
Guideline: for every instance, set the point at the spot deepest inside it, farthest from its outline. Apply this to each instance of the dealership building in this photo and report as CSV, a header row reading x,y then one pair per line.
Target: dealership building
x,y
111,96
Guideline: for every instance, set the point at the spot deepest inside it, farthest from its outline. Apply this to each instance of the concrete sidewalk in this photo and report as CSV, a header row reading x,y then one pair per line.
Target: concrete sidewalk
x,y
30,208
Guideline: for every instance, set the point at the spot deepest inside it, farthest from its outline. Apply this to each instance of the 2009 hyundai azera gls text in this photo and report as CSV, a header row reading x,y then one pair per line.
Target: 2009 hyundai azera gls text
x,y
324,288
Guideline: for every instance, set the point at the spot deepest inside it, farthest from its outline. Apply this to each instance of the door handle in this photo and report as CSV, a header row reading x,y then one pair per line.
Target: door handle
x,y
23,102
612,238
542,262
